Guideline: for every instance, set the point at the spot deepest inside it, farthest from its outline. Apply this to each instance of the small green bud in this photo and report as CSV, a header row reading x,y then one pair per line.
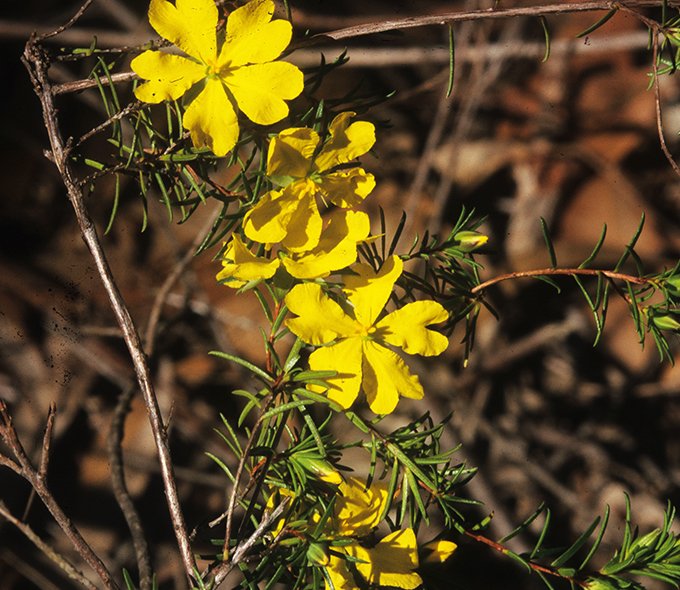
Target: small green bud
x,y
318,467
317,553
469,241
597,584
673,284
666,322
647,539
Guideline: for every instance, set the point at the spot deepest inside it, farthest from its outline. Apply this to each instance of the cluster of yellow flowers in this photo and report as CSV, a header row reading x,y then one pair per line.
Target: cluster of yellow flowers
x,y
239,74
222,73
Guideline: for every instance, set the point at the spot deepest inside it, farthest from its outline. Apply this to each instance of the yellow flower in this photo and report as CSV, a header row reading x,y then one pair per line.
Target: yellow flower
x,y
336,249
357,510
355,345
392,562
291,216
238,75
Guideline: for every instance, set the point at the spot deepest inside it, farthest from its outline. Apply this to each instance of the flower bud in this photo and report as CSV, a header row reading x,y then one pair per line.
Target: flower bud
x,y
673,284
469,241
597,584
666,321
317,554
318,467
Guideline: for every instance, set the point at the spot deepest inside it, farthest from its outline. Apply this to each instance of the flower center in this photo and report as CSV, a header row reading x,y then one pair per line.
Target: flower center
x,y
366,332
216,70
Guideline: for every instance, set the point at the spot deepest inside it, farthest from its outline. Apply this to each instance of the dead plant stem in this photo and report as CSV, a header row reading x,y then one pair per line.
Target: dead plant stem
x,y
476,15
36,61
58,559
38,482
611,275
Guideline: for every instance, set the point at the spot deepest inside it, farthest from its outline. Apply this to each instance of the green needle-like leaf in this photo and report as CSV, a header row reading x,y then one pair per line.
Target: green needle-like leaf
x,y
569,553
549,244
598,24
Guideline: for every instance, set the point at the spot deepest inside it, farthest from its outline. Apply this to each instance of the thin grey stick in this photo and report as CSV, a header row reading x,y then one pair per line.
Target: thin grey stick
x,y
9,435
476,15
36,61
60,560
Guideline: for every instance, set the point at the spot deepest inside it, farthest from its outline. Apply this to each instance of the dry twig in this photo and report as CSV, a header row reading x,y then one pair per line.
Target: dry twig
x,y
36,60
36,478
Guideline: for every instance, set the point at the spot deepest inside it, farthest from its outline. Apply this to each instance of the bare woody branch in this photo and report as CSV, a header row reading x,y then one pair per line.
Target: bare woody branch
x,y
37,480
36,60
477,15
60,560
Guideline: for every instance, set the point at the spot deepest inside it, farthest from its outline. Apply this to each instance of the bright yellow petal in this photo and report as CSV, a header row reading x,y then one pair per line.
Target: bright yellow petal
x,y
321,319
228,266
386,376
353,226
234,284
391,562
303,229
169,76
268,221
345,358
189,24
227,272
438,551
249,267
290,154
311,267
346,189
261,89
251,37
406,328
369,291
357,510
337,247
346,142
339,574
211,119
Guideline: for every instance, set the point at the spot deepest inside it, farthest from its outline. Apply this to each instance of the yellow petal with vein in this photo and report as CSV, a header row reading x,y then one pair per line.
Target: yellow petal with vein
x,y
438,551
211,119
321,319
189,24
347,189
340,576
386,376
267,221
304,225
357,510
336,249
369,291
347,142
290,154
251,37
245,265
406,328
345,358
169,76
261,89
